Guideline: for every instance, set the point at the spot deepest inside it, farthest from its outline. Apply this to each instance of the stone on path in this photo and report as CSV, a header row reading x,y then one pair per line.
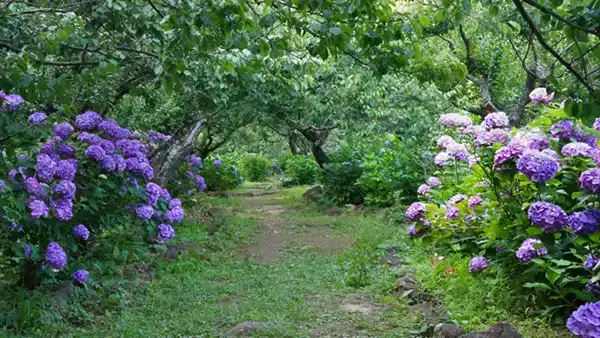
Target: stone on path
x,y
313,194
498,330
244,329
448,331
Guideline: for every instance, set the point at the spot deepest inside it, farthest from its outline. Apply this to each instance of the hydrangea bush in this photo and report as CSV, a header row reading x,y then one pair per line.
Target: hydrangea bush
x,y
196,172
524,199
86,180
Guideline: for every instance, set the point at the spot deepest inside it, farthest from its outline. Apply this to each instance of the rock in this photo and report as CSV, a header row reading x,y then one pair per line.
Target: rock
x,y
244,329
503,330
498,330
357,304
443,330
313,194
405,286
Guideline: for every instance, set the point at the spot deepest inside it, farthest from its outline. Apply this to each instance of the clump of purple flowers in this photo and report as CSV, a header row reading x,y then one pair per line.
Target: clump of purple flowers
x,y
531,248
423,189
540,95
539,166
164,232
416,211
37,118
474,201
89,120
441,159
434,182
550,217
452,213
456,199
81,276
590,180
55,256
478,264
81,232
585,321
590,262
562,129
577,149
455,120
496,120
584,222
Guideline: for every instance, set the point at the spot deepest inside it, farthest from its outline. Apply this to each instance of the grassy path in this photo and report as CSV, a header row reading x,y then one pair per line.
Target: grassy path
x,y
280,267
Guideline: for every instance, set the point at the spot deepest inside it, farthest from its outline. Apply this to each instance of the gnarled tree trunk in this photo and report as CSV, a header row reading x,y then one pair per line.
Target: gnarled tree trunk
x,y
317,138
168,160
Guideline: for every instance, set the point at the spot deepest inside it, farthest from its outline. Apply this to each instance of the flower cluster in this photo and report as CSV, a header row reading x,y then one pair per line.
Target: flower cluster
x,y
585,322
540,95
550,217
531,248
478,264
10,102
539,166
455,120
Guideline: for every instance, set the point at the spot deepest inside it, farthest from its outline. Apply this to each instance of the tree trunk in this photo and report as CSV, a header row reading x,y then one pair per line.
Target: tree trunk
x,y
29,278
169,160
317,138
293,143
516,116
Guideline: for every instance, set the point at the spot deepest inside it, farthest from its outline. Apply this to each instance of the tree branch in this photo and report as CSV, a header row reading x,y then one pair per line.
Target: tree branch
x,y
553,14
545,45
155,9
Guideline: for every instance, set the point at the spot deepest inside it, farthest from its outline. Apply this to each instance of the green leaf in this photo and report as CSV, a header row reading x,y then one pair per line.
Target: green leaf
x,y
424,21
335,30
537,286
552,276
534,231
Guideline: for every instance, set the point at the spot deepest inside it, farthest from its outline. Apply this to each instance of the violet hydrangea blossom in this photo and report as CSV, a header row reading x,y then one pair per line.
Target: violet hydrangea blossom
x,y
538,166
444,141
441,159
164,233
81,276
577,149
474,201
452,213
540,95
81,232
585,321
478,264
45,167
38,208
55,256
590,262
496,120
144,212
456,199
63,130
434,181
527,251
455,120
416,211
584,222
88,120
423,189
95,152
590,180
562,129
37,118
550,217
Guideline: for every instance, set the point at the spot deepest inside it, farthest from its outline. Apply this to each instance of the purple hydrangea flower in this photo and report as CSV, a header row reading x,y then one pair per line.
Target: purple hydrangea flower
x,y
387,143
38,209
195,161
132,164
478,264
423,189
496,120
146,171
528,250
474,201
63,130
120,163
37,118
13,226
416,211
81,232
434,182
32,185
66,170
174,215
415,230
458,151
590,180
66,189
165,232
584,222
108,164
189,174
444,141
593,288
456,199
577,149
455,120
95,152
12,101
66,150
550,217
47,148
199,181
540,95
81,276
56,256
590,262
451,213
45,167
88,120
89,138
64,209
562,129
538,166
597,124
2,185
585,321
441,159
108,146
217,163
144,212
175,203
27,250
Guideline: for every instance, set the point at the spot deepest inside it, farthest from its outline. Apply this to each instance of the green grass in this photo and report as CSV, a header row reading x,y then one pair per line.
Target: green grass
x,y
298,296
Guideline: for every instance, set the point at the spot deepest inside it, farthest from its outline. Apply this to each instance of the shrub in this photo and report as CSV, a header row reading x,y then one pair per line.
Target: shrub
x,y
526,200
339,178
216,173
81,186
254,167
299,170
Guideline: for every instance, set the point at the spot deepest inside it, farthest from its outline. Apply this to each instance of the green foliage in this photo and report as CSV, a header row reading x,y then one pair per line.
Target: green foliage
x,y
339,182
220,177
254,167
298,170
